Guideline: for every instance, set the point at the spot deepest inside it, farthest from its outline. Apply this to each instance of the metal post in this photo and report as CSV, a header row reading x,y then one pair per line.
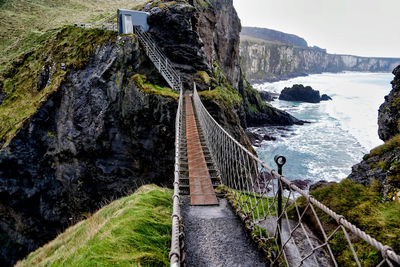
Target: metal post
x,y
280,161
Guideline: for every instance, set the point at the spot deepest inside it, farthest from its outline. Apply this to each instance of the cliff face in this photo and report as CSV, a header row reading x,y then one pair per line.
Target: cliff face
x,y
266,61
389,111
383,162
203,37
96,138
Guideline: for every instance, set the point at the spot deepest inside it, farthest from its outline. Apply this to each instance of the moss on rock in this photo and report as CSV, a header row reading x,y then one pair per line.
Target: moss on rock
x,y
149,88
36,75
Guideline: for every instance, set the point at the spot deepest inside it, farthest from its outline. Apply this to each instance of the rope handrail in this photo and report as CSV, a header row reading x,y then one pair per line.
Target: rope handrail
x,y
174,254
257,199
161,62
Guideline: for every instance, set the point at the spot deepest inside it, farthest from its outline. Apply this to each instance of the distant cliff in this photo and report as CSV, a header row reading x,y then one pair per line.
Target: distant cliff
x,y
274,36
270,61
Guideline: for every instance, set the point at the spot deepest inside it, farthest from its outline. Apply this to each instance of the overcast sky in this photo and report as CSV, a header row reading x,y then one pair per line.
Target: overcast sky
x,y
356,27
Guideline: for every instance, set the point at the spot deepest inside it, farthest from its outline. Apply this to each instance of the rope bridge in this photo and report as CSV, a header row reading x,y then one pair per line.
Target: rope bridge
x,y
267,202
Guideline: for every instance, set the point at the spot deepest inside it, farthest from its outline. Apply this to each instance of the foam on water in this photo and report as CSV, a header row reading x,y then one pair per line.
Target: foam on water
x,y
341,131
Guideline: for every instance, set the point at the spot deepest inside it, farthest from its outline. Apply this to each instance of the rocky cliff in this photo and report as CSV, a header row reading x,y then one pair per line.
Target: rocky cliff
x,y
83,120
383,162
202,39
269,61
96,138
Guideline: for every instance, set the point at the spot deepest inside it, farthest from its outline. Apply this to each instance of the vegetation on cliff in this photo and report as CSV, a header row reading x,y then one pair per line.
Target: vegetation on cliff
x,y
364,206
30,80
220,88
153,89
23,22
131,231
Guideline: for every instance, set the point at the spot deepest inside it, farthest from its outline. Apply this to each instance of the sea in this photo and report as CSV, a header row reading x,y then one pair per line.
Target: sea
x,y
340,131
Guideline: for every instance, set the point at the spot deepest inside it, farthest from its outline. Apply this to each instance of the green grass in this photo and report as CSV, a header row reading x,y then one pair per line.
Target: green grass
x,y
363,206
71,46
149,88
23,22
390,145
222,90
204,77
131,231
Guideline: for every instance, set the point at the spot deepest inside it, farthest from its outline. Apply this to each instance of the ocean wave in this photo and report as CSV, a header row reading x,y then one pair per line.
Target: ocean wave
x,y
340,132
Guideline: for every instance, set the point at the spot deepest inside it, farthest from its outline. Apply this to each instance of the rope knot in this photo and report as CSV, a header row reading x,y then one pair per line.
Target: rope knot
x,y
385,250
339,218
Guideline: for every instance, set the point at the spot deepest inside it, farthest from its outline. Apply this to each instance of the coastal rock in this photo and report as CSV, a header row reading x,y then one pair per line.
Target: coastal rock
x,y
258,113
383,162
299,92
302,184
256,138
325,97
389,111
265,96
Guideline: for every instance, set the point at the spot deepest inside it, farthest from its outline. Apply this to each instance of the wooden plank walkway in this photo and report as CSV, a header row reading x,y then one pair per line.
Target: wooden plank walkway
x,y
200,185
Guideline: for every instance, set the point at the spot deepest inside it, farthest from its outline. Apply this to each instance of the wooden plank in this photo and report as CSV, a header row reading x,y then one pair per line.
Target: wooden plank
x,y
201,188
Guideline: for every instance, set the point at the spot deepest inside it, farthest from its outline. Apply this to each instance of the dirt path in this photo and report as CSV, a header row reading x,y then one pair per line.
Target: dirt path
x,y
214,236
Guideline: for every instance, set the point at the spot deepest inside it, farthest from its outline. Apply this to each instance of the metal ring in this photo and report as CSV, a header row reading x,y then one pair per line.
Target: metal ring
x,y
280,160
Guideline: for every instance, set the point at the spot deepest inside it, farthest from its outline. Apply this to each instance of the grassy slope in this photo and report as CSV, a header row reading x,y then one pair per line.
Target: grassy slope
x,y
132,231
22,22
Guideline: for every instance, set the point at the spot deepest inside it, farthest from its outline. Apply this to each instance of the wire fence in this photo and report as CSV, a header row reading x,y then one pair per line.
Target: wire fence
x,y
283,219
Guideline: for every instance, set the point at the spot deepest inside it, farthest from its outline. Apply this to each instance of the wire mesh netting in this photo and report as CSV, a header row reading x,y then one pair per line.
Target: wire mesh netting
x,y
292,227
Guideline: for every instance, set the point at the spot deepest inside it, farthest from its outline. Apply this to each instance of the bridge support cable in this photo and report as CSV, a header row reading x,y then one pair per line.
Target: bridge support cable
x,y
253,188
160,61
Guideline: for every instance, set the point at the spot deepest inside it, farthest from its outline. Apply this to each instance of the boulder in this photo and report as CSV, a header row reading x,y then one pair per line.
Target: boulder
x,y
325,97
301,93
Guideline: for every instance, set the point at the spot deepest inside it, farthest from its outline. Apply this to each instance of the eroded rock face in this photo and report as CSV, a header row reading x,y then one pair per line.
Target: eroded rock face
x,y
265,96
193,36
96,138
383,162
389,111
227,39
